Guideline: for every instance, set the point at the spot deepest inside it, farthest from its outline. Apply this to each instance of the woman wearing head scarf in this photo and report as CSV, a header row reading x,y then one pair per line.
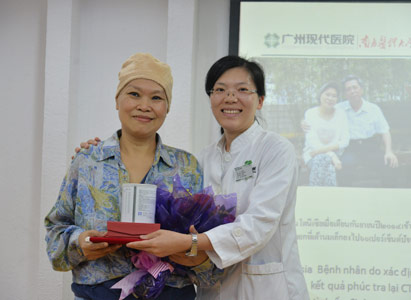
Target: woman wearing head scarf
x,y
90,193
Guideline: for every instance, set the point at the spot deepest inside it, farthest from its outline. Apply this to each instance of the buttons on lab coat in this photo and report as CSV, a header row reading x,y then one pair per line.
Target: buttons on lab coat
x,y
238,232
227,157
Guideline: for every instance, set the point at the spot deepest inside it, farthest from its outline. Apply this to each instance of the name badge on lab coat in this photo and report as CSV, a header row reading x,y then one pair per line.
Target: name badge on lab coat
x,y
244,172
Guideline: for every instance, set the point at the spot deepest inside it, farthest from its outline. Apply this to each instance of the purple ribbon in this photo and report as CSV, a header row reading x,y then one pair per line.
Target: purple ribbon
x,y
145,263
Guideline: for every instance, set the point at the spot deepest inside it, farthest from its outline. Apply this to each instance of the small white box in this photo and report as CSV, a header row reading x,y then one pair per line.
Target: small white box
x,y
138,203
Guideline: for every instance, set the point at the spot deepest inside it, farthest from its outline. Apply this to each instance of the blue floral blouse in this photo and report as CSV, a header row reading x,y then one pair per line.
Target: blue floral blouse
x,y
89,197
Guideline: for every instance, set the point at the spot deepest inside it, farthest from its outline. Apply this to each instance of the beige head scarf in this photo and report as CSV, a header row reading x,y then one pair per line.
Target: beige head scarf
x,y
146,66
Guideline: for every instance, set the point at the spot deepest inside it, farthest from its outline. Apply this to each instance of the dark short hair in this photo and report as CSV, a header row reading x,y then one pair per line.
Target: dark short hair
x,y
232,61
352,77
329,85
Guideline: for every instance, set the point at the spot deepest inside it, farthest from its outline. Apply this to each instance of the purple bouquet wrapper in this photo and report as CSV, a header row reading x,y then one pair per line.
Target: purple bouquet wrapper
x,y
180,209
148,287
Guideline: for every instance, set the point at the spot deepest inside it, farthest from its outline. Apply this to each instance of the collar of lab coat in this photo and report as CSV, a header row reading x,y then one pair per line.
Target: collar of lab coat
x,y
242,140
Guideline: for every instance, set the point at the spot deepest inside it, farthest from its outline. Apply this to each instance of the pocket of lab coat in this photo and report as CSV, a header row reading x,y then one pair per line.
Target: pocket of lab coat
x,y
265,281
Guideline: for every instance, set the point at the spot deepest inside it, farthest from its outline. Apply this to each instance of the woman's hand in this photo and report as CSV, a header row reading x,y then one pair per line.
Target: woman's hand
x,y
314,153
390,159
86,145
93,251
163,243
305,126
189,261
337,162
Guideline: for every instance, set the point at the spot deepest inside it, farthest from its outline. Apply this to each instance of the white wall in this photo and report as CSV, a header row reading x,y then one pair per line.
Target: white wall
x,y
59,63
212,44
22,44
22,36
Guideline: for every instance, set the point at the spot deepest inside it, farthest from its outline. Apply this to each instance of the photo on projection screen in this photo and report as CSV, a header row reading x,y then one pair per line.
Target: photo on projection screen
x,y
338,86
296,94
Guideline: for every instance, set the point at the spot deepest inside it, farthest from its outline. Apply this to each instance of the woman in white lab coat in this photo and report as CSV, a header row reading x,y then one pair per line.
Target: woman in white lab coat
x,y
259,249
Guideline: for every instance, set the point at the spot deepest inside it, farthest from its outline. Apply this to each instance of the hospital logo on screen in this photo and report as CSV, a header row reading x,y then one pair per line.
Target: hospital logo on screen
x,y
342,41
272,40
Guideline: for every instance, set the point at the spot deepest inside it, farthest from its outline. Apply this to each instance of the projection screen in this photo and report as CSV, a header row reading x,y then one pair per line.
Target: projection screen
x,y
354,232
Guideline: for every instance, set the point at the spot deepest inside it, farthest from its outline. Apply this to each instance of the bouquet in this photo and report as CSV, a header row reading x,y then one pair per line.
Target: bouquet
x,y
176,211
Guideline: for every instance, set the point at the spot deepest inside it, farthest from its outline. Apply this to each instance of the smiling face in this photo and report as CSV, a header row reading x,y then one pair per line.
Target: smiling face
x,y
233,109
353,91
142,108
329,98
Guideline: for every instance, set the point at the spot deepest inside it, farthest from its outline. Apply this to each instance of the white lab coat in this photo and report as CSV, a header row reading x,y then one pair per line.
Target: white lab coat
x,y
259,250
